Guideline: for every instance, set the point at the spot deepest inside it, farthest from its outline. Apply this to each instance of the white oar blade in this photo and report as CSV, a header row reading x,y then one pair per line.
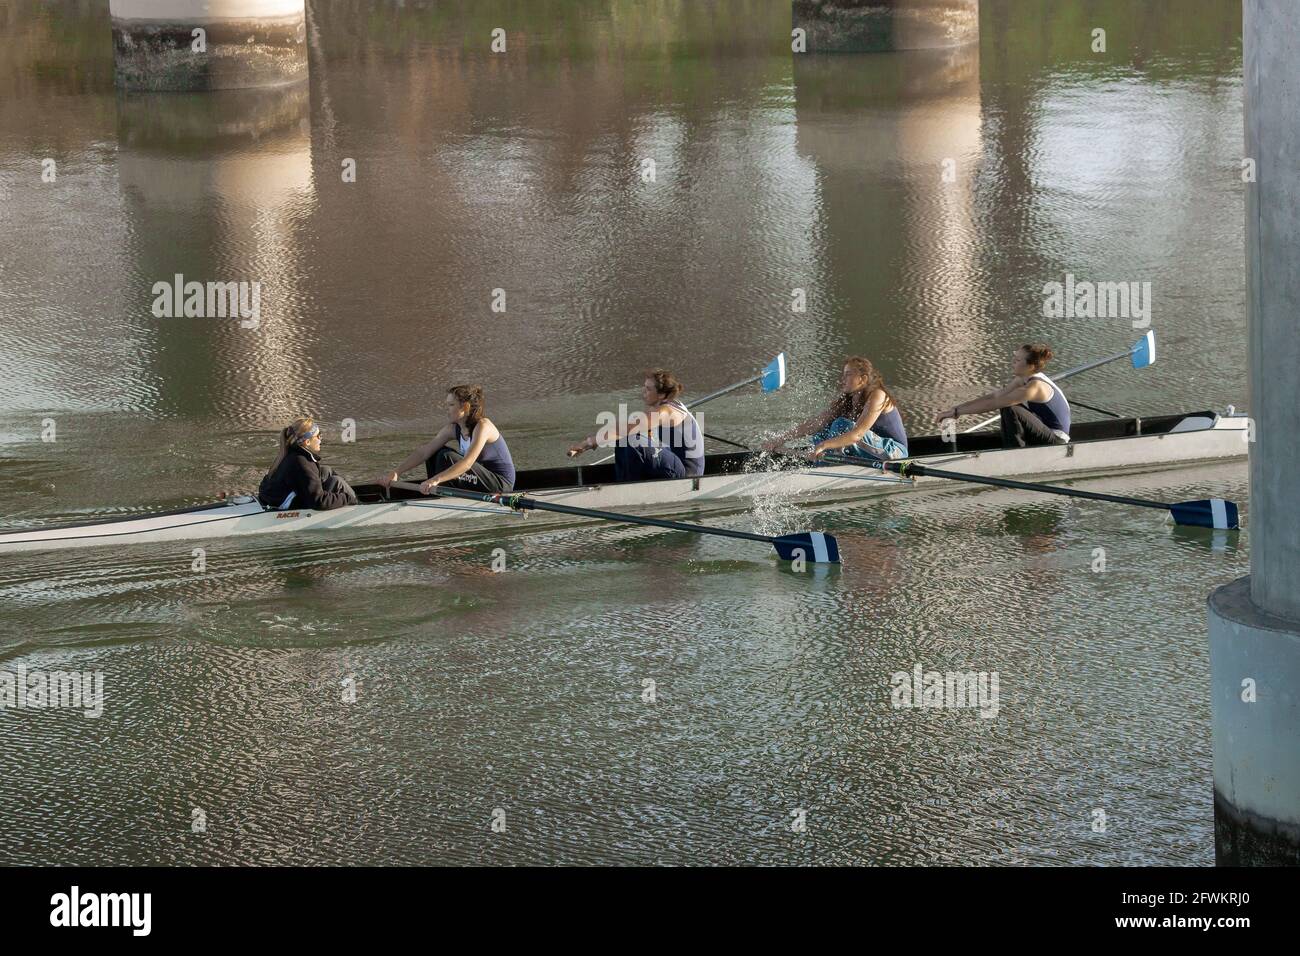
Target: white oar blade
x,y
1144,350
814,547
1209,513
774,374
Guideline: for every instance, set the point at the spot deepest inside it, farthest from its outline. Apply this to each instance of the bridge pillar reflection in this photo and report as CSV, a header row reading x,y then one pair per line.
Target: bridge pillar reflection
x,y
208,44
874,26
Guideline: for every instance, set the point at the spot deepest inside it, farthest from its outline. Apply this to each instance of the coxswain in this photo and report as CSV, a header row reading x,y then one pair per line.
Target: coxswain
x,y
298,478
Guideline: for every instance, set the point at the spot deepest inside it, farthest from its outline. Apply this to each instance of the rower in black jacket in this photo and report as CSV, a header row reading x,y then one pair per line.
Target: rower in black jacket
x,y
298,479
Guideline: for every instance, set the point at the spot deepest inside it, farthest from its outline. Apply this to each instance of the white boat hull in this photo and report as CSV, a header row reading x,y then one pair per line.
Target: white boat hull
x,y
1200,440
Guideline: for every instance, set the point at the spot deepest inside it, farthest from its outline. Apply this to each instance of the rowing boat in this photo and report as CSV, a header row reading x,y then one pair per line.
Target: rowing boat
x,y
1099,448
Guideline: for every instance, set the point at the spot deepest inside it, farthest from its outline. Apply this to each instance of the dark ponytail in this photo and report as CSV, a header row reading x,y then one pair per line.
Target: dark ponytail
x,y
473,395
1037,355
666,383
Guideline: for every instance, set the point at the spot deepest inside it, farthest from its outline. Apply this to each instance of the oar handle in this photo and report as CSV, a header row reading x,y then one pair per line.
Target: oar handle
x,y
407,485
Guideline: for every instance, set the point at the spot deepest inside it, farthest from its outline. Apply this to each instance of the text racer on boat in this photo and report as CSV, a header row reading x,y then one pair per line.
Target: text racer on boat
x,y
861,421
298,478
665,441
468,452
1034,409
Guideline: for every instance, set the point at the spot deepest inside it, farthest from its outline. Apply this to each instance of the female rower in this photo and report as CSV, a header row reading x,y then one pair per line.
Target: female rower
x,y
298,478
663,442
862,420
468,452
1034,409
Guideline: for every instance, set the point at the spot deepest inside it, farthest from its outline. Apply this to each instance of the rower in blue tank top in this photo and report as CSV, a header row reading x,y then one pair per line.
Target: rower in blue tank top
x,y
479,460
862,421
1034,409
664,441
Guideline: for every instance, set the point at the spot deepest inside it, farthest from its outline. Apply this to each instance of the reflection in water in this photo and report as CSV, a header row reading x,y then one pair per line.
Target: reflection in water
x,y
895,141
897,25
215,185
1037,528
476,172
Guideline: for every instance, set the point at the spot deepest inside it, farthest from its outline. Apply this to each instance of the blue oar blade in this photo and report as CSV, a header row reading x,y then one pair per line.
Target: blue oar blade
x,y
813,546
774,374
1144,350
1209,513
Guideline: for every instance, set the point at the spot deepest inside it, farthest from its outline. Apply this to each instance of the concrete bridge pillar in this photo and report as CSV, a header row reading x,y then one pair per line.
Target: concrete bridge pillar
x,y
1255,621
873,26
208,44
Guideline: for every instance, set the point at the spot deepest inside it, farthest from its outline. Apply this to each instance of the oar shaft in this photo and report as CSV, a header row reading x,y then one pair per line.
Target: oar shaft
x,y
1091,365
525,503
922,471
723,391
1094,408
1217,513
726,441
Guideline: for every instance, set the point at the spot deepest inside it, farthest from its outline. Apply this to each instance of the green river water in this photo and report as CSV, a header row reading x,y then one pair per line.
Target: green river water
x,y
372,697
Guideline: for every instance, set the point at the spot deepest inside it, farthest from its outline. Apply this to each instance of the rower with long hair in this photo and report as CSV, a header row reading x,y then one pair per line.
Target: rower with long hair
x,y
862,420
468,451
298,478
1033,407
664,441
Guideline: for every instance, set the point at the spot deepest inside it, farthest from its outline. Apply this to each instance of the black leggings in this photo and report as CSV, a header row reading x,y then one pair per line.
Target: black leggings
x,y
478,478
1021,427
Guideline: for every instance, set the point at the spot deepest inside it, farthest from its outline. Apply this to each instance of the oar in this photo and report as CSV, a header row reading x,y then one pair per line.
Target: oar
x,y
811,546
1207,513
772,376
1094,408
1143,352
726,441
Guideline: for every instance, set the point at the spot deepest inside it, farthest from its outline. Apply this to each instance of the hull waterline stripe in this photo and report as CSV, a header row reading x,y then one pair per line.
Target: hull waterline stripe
x,y
818,473
127,534
441,507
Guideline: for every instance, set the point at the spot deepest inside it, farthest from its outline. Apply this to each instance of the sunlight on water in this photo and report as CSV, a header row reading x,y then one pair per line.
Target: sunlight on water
x,y
370,696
